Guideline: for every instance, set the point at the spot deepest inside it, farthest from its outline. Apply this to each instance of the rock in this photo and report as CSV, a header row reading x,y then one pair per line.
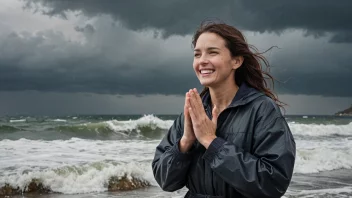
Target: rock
x,y
346,112
9,190
124,183
36,186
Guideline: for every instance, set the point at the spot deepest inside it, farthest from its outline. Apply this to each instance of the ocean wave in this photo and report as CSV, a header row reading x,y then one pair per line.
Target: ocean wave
x,y
58,120
19,120
146,126
94,177
318,156
7,128
153,127
323,193
321,129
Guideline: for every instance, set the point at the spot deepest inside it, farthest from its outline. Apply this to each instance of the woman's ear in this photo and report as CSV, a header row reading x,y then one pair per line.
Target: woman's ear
x,y
237,62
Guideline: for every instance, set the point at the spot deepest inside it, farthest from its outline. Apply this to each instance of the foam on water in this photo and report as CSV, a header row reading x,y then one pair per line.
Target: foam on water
x,y
147,120
334,192
58,120
20,120
79,179
317,156
75,165
321,129
312,156
85,165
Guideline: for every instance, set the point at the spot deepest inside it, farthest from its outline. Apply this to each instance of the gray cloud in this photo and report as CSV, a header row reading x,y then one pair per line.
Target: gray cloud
x,y
181,17
54,103
110,59
130,63
88,29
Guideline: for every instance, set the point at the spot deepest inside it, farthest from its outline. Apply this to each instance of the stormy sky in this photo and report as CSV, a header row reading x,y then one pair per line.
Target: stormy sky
x,y
135,57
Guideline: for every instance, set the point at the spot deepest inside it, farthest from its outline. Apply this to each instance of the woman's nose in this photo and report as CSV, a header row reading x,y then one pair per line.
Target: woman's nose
x,y
203,59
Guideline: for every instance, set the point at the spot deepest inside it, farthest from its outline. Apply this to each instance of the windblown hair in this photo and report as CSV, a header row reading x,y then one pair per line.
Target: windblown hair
x,y
251,69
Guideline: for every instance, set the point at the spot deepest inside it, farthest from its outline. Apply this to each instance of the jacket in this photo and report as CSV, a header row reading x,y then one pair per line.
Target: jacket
x,y
252,156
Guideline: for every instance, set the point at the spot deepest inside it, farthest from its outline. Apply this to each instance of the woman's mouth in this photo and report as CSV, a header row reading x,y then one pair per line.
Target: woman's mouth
x,y
206,72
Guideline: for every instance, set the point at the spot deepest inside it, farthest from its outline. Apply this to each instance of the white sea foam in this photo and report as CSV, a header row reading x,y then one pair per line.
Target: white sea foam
x,y
96,160
147,120
333,192
314,130
20,120
58,120
79,179
75,165
316,156
320,129
296,128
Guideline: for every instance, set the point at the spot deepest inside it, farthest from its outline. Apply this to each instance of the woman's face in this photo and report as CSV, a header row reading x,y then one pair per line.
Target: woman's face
x,y
213,63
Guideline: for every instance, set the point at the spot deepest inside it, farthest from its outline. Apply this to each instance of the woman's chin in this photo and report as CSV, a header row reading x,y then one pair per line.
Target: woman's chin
x,y
205,83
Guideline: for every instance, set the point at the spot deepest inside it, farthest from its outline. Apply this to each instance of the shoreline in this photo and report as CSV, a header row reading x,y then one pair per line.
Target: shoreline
x,y
323,184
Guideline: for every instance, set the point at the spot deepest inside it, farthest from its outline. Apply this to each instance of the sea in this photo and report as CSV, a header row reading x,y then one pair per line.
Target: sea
x,y
78,156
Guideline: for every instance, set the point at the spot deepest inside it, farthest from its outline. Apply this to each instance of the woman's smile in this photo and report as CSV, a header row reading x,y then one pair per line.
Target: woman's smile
x,y
206,72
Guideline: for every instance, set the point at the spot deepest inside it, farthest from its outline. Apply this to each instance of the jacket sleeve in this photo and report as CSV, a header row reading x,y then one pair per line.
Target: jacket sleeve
x,y
170,166
266,172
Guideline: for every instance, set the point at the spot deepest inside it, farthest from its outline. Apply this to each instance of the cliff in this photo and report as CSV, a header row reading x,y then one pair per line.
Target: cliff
x,y
347,112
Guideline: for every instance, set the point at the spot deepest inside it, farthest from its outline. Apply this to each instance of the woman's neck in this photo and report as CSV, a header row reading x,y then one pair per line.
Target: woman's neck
x,y
222,97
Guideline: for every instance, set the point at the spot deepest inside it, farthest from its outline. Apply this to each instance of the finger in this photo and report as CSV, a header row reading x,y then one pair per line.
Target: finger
x,y
191,113
193,103
185,109
197,109
199,100
198,106
189,104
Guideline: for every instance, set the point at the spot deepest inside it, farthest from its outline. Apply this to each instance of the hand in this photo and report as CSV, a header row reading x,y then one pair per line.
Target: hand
x,y
188,137
204,128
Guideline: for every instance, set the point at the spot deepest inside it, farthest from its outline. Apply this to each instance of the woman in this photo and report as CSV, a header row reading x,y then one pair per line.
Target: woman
x,y
231,140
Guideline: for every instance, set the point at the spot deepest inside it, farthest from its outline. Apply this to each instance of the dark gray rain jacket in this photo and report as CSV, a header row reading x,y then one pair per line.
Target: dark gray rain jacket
x,y
252,156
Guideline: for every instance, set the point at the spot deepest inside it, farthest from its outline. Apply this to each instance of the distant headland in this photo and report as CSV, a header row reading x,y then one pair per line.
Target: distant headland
x,y
347,112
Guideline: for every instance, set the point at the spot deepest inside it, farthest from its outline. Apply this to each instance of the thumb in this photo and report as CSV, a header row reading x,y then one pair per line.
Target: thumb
x,y
215,115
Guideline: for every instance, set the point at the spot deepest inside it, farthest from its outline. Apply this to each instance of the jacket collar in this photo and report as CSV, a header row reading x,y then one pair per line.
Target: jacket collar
x,y
244,95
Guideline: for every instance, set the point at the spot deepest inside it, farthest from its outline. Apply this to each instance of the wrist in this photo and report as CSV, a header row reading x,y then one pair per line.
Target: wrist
x,y
207,141
185,144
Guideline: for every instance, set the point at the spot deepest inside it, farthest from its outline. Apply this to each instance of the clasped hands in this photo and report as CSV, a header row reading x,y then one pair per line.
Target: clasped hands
x,y
197,125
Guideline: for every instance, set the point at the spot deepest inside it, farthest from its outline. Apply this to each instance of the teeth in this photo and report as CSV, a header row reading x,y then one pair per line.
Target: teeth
x,y
206,71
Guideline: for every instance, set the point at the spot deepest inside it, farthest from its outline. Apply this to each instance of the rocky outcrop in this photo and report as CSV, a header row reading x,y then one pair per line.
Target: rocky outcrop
x,y
36,186
124,183
347,112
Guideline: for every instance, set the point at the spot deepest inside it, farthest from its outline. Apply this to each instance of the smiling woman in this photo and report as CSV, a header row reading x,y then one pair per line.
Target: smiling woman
x,y
231,140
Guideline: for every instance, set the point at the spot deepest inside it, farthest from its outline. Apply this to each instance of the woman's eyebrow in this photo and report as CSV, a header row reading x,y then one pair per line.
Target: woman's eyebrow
x,y
209,48
213,48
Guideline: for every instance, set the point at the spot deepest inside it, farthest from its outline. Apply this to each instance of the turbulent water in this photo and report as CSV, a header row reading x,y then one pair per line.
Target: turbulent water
x,y
77,156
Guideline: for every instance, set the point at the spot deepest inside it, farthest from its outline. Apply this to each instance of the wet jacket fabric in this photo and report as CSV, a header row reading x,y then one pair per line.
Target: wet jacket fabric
x,y
252,156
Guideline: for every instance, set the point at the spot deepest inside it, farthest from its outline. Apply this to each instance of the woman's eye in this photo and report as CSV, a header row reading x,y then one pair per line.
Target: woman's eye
x,y
196,55
213,52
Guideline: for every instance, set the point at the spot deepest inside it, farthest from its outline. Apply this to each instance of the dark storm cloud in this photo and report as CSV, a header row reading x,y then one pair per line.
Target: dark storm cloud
x,y
114,60
326,84
88,28
47,62
181,17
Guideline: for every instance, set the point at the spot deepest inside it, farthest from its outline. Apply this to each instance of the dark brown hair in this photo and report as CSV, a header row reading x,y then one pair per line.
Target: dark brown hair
x,y
251,69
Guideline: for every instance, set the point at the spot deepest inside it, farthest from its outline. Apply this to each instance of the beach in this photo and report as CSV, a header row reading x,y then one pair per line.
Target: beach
x,y
80,156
